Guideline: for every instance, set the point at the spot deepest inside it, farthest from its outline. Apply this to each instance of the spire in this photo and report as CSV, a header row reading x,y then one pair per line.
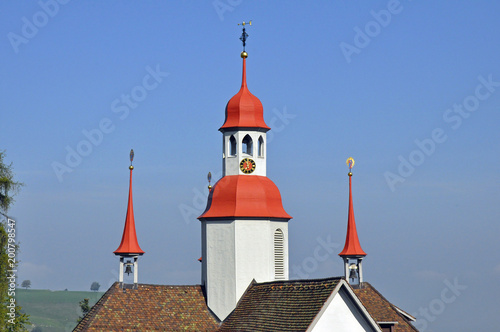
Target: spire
x,y
244,110
129,245
352,246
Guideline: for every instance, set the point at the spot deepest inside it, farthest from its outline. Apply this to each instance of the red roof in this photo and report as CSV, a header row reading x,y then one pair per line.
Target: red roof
x,y
129,244
352,246
244,196
244,109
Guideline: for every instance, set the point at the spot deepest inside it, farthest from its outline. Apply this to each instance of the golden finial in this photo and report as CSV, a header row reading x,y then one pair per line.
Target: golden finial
x,y
131,159
350,164
209,178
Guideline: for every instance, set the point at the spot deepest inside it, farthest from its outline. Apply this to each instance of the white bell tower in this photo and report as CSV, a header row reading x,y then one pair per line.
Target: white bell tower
x,y
244,227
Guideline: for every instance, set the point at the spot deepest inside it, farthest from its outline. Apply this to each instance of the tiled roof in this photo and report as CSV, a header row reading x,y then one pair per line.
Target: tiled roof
x,y
150,308
270,306
381,309
280,305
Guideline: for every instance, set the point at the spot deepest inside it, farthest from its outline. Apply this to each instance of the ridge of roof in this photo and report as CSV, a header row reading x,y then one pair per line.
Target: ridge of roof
x,y
299,280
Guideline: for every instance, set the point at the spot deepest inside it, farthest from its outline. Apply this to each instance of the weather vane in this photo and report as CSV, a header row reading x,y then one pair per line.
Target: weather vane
x,y
131,158
244,35
350,164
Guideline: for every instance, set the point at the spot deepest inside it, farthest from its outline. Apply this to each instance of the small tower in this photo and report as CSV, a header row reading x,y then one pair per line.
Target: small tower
x,y
129,247
352,254
244,226
244,130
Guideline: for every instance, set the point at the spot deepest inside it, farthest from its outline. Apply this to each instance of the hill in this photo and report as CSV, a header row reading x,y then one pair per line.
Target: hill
x,y
54,311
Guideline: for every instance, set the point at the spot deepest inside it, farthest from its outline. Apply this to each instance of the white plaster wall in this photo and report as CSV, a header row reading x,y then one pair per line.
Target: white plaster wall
x,y
253,256
254,243
234,253
231,165
219,264
341,315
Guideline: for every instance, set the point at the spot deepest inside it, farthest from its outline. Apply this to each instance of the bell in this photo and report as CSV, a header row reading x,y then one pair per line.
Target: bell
x,y
352,273
128,268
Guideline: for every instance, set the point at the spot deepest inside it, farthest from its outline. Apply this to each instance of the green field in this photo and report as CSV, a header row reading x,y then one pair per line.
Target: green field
x,y
54,311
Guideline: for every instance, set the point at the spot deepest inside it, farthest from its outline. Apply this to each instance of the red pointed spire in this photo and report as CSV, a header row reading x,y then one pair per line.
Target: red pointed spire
x,y
129,244
244,109
352,246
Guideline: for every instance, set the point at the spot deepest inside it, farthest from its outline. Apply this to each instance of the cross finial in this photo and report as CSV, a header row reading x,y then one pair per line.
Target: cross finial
x,y
244,35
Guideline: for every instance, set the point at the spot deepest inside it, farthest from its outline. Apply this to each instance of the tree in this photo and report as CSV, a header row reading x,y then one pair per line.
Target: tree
x,y
85,307
8,187
26,284
95,286
11,318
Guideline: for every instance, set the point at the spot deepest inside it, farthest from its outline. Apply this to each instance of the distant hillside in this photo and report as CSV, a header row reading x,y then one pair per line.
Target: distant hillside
x,y
54,311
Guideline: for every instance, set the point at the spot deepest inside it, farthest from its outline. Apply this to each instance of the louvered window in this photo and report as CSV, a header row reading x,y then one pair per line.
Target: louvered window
x,y
279,255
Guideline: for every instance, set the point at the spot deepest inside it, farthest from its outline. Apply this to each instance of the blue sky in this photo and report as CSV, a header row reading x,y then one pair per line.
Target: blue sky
x,y
409,89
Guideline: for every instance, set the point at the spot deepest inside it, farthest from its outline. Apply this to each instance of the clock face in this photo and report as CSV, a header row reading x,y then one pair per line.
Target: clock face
x,y
247,165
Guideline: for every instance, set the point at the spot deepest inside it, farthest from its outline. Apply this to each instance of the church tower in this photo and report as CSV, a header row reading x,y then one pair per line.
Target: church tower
x,y
129,249
244,226
352,254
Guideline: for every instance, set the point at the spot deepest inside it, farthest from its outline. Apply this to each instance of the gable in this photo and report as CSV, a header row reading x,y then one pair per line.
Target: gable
x,y
280,305
341,313
300,305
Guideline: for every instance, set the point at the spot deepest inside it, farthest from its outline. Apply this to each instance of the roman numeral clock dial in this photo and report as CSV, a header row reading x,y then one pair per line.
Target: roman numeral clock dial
x,y
247,165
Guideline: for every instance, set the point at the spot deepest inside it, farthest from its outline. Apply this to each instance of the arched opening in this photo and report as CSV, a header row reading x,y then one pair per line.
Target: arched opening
x,y
261,147
247,144
279,255
232,146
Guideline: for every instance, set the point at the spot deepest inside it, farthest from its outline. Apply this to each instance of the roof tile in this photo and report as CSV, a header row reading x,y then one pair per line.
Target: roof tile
x,y
381,309
150,308
280,305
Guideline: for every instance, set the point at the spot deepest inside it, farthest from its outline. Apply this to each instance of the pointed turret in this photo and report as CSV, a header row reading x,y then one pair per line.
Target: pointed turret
x,y
352,248
129,246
